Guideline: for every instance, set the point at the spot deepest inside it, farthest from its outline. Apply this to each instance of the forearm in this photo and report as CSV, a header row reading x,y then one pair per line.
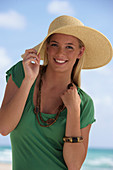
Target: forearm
x,y
11,113
74,153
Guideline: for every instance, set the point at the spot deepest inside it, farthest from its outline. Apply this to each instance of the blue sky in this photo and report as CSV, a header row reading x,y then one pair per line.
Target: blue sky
x,y
24,24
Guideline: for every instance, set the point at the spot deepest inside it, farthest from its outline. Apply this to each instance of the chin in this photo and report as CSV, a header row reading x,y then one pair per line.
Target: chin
x,y
61,69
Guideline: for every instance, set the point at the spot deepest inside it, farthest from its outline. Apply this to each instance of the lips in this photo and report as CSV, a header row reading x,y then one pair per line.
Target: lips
x,y
60,61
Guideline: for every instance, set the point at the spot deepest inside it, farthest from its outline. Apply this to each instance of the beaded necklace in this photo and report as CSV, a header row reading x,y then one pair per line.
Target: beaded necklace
x,y
37,109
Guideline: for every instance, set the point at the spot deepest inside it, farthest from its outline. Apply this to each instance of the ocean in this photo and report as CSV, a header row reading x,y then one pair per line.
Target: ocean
x,y
97,159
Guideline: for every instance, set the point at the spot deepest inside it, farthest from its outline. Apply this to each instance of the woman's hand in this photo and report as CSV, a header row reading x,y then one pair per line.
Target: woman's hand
x,y
71,99
31,64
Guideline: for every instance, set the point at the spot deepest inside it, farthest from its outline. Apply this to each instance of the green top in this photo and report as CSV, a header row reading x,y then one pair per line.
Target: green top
x,y
41,148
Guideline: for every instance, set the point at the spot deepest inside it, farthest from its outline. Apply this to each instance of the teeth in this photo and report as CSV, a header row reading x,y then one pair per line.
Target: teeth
x,y
59,61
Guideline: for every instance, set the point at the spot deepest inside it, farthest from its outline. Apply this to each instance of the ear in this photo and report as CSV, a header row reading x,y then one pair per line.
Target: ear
x,y
81,52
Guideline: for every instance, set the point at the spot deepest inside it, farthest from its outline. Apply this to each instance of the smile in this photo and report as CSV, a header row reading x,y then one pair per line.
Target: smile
x,y
60,61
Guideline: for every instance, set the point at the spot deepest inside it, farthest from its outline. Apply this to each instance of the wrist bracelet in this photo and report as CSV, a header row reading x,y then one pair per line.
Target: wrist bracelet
x,y
73,139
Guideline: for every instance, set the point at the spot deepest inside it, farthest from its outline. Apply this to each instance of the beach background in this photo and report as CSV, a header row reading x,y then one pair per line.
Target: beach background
x,y
24,24
97,159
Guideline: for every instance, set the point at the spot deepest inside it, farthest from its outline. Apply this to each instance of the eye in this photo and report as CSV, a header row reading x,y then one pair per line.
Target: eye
x,y
69,47
54,45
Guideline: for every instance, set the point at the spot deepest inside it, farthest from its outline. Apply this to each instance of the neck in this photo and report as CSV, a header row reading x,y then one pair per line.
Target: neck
x,y
59,80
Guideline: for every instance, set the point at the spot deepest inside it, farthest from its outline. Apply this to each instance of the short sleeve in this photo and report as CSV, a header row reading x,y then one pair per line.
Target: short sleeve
x,y
17,73
86,109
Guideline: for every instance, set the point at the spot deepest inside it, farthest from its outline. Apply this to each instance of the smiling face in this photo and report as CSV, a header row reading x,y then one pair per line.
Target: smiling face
x,y
63,51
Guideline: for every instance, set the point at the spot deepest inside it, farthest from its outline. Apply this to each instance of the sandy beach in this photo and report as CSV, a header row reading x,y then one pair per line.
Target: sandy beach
x,y
5,166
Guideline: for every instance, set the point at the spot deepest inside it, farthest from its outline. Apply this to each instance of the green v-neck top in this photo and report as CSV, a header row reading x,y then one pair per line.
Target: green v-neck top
x,y
41,148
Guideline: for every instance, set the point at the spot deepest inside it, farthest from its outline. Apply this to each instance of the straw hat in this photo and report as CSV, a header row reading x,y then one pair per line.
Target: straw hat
x,y
98,50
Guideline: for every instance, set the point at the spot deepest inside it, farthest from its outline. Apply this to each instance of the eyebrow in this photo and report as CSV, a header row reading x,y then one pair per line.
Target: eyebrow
x,y
70,43
54,41
65,43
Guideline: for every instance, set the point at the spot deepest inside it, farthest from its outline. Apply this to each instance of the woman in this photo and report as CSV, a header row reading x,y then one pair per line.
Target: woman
x,y
46,113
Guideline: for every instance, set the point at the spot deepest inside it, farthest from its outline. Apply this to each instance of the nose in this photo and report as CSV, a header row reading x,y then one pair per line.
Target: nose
x,y
60,52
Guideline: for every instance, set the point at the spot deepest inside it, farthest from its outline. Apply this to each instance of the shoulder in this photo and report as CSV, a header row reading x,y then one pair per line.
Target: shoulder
x,y
84,96
17,73
86,109
15,67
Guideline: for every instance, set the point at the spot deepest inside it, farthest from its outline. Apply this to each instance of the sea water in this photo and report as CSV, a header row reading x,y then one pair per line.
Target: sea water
x,y
5,154
97,159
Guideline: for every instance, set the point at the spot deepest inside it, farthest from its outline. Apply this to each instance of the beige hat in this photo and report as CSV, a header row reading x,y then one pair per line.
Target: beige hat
x,y
98,50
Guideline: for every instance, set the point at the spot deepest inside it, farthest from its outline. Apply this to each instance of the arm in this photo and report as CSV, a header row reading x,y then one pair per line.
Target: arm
x,y
74,153
13,105
15,98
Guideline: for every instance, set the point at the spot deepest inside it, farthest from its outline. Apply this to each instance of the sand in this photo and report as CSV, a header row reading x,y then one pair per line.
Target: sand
x,y
5,166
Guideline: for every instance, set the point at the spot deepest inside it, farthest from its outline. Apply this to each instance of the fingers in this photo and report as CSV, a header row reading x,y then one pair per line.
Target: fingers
x,y
70,85
31,56
71,98
32,50
31,60
70,90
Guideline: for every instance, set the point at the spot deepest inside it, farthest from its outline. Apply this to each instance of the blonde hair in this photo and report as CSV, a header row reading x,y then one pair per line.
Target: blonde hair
x,y
76,71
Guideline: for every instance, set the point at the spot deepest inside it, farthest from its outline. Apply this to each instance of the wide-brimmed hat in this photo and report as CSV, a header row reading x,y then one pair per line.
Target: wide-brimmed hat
x,y
98,50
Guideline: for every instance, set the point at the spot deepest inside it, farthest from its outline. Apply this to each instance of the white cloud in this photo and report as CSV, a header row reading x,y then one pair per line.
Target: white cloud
x,y
105,101
60,7
12,19
5,61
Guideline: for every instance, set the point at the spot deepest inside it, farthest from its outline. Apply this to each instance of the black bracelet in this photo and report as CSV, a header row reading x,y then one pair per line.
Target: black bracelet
x,y
73,139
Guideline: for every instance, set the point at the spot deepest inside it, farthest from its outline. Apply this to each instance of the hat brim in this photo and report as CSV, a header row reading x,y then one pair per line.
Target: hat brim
x,y
98,49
